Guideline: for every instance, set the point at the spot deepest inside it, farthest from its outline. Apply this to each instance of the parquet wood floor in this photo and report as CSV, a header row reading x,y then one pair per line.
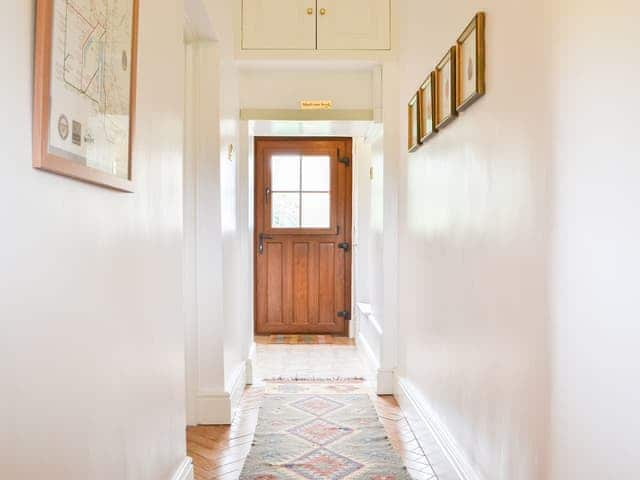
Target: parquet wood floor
x,y
219,452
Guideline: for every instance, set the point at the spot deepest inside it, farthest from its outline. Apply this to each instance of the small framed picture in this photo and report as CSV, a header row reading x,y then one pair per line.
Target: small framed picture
x,y
446,89
471,63
414,123
427,107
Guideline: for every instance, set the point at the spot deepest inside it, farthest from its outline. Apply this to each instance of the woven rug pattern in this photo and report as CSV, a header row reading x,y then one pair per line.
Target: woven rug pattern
x,y
328,432
301,339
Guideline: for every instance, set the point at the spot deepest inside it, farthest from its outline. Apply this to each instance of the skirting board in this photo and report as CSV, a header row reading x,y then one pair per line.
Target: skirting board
x,y
250,362
366,353
184,471
384,381
445,455
384,377
219,408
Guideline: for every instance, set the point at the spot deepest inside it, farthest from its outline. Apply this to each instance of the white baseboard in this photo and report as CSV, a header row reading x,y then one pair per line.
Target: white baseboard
x,y
385,379
213,408
219,408
237,384
184,471
366,352
250,364
447,458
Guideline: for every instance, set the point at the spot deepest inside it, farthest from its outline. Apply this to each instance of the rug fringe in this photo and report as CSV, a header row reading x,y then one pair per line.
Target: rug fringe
x,y
314,379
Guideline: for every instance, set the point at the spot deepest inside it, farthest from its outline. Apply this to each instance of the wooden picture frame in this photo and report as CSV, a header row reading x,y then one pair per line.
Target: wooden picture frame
x,y
427,107
83,128
446,89
471,60
413,110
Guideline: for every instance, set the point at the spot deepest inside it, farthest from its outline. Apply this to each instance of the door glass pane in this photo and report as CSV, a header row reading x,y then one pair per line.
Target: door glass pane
x,y
316,174
285,210
316,208
285,173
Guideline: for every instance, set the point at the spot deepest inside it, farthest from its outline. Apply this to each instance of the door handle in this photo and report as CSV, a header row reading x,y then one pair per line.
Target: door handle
x,y
261,238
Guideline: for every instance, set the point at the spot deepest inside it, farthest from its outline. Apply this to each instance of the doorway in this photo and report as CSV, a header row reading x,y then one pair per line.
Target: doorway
x,y
303,189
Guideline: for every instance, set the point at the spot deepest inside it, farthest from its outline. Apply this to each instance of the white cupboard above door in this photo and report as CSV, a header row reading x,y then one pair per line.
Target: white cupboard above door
x,y
354,24
279,24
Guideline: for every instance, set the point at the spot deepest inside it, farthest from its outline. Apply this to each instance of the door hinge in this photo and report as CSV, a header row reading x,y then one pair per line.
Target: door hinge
x,y
345,314
344,246
344,160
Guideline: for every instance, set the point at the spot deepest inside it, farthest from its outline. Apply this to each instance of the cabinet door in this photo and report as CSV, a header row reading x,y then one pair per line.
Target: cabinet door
x,y
279,24
354,24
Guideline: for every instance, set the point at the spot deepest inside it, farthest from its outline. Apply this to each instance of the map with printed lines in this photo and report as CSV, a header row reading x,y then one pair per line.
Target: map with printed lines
x,y
90,85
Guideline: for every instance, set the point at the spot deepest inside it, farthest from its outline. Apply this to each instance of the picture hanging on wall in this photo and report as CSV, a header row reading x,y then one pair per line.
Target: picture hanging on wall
x,y
446,89
471,63
414,123
84,92
427,107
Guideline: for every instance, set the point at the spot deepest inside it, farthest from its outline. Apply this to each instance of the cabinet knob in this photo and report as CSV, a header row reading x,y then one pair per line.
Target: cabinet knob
x,y
309,11
323,11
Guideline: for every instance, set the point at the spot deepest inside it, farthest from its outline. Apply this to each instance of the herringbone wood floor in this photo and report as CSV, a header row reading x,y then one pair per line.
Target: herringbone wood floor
x,y
219,452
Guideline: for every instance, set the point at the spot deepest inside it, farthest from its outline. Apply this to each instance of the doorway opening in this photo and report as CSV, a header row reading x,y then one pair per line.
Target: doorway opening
x,y
303,216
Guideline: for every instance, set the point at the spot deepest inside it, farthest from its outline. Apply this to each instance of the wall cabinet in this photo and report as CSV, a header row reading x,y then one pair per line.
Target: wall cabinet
x,y
316,24
353,24
279,24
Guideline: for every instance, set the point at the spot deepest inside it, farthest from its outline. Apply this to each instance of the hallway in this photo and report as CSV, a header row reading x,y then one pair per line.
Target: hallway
x,y
449,187
219,452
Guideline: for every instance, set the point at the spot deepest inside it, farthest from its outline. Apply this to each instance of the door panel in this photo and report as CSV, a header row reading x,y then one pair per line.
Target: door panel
x,y
354,24
274,282
279,24
327,283
302,275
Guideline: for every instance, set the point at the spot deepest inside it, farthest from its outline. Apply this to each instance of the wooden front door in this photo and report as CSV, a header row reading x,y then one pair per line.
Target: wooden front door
x,y
303,235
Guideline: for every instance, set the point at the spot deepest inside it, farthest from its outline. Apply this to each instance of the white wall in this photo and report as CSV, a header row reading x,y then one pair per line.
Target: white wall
x,y
218,260
233,194
361,219
285,87
595,261
91,350
473,250
203,255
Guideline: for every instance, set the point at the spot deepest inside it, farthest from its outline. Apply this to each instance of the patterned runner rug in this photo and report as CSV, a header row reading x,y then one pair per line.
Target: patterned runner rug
x,y
320,432
301,339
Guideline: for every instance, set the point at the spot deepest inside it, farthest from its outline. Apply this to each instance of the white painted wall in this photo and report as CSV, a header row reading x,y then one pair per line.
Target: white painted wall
x,y
91,350
596,233
361,219
285,87
233,195
203,255
217,253
473,259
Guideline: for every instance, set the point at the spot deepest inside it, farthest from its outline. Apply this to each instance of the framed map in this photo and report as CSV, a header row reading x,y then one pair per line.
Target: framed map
x,y
84,92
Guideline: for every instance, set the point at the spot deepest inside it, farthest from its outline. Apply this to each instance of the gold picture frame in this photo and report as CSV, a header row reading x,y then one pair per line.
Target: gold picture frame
x,y
413,110
446,89
79,129
471,60
427,107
